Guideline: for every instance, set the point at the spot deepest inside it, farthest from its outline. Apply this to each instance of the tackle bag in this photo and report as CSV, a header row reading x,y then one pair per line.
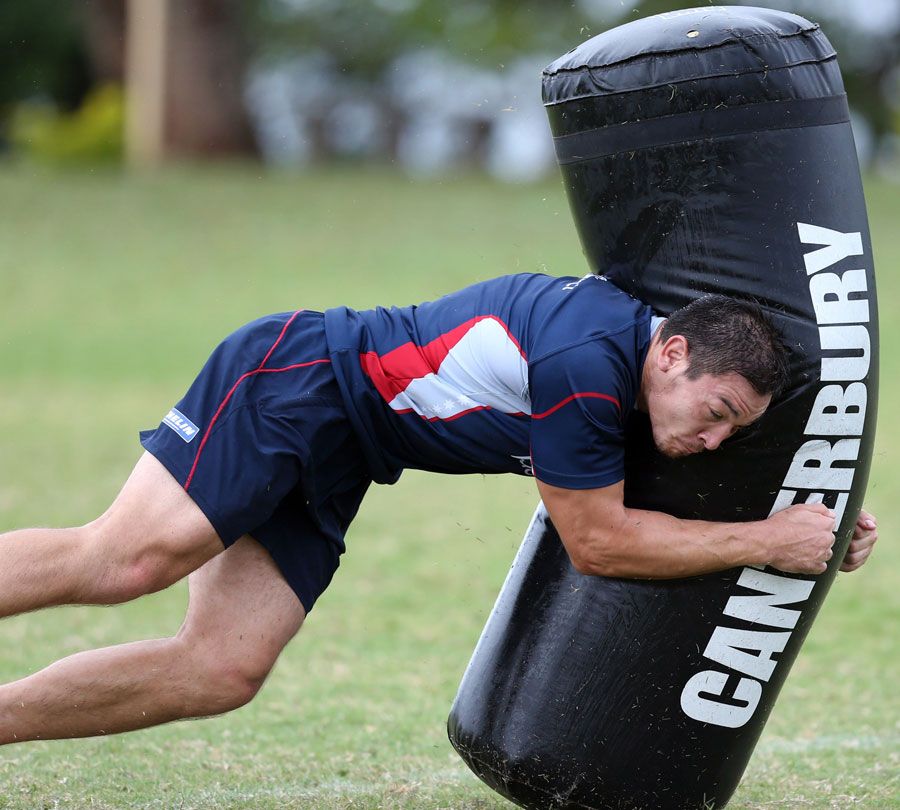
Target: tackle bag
x,y
705,150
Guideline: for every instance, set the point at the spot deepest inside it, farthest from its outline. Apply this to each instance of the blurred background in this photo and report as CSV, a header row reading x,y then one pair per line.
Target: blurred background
x,y
421,85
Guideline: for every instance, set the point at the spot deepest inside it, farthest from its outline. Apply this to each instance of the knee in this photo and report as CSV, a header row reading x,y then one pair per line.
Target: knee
x,y
236,683
227,678
133,578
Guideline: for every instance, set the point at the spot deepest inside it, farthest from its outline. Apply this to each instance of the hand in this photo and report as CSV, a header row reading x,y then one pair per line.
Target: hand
x,y
800,538
861,544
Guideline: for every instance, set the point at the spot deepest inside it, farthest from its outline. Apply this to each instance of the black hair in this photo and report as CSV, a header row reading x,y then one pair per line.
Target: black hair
x,y
729,335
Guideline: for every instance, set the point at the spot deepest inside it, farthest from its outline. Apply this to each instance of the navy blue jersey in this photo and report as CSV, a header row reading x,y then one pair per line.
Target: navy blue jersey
x,y
526,373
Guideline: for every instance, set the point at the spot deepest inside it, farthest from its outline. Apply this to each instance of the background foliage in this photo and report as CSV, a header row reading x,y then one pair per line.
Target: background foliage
x,y
57,52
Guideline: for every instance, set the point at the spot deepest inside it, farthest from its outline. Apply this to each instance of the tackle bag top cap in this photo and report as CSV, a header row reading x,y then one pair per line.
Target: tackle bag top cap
x,y
684,45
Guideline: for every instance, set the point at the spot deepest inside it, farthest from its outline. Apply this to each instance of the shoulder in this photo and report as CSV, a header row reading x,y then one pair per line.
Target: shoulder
x,y
613,301
593,315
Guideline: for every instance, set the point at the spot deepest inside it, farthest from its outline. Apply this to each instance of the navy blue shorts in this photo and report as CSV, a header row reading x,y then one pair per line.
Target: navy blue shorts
x,y
262,443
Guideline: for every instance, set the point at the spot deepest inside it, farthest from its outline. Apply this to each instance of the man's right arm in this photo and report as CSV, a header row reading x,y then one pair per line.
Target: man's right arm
x,y
602,536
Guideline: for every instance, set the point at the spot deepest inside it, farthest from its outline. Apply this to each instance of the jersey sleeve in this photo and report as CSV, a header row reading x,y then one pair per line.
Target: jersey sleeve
x,y
577,425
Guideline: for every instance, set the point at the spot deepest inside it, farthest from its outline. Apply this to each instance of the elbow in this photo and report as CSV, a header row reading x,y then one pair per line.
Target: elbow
x,y
582,564
591,556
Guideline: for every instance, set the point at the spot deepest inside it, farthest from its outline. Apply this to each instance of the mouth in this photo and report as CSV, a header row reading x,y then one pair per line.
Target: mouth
x,y
672,449
680,448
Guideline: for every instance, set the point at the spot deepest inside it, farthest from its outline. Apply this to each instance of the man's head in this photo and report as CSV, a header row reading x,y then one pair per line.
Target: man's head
x,y
712,368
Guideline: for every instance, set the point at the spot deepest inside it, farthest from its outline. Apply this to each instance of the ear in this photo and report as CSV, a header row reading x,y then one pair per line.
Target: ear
x,y
673,354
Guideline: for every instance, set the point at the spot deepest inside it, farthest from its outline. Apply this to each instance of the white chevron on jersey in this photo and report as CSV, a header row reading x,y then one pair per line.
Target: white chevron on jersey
x,y
484,369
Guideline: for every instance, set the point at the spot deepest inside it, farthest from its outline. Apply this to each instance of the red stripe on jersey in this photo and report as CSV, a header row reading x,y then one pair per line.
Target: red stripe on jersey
x,y
391,373
582,395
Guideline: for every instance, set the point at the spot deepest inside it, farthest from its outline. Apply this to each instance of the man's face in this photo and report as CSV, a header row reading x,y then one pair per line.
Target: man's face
x,y
690,416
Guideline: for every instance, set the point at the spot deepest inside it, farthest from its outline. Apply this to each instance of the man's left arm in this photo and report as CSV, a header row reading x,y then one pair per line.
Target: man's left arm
x,y
865,533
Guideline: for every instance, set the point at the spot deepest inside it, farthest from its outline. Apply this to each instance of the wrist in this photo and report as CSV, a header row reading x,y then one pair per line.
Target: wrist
x,y
755,542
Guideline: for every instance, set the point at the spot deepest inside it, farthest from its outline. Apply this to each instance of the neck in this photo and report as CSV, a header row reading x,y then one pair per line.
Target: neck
x,y
652,352
641,402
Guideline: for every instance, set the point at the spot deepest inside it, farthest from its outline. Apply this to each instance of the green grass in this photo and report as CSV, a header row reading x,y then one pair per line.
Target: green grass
x,y
113,288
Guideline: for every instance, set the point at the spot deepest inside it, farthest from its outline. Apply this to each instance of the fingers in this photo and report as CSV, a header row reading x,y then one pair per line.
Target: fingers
x,y
820,553
864,523
820,508
852,562
858,551
862,544
814,525
808,536
822,567
823,514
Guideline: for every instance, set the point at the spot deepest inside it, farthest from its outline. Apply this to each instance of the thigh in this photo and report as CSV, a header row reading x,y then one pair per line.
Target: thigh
x,y
153,520
241,609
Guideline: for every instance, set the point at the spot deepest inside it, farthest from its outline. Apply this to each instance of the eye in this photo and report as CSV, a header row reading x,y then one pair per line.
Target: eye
x,y
715,415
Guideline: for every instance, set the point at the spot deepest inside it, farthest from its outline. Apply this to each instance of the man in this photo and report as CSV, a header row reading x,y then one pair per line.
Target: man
x,y
249,484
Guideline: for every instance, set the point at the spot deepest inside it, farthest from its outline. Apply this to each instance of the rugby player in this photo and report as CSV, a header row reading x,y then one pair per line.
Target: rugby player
x,y
249,483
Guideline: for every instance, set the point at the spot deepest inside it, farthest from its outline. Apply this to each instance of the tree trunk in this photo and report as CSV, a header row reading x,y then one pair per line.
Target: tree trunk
x,y
185,66
205,107
103,23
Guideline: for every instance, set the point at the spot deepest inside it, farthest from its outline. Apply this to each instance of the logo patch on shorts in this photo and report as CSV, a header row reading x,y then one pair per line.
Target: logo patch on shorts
x,y
183,426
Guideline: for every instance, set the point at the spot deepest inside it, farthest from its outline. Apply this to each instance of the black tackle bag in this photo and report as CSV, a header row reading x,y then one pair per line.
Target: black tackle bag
x,y
705,150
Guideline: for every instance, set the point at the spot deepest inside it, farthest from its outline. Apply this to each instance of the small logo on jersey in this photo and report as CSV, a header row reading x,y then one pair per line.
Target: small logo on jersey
x,y
573,284
527,465
183,426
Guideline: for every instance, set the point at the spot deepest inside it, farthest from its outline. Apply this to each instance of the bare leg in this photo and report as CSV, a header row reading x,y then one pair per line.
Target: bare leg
x,y
240,616
151,536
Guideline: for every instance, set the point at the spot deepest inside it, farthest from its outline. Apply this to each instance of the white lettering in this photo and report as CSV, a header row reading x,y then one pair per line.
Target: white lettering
x,y
844,338
841,310
813,465
838,411
731,648
831,297
696,702
785,498
837,246
774,591
840,504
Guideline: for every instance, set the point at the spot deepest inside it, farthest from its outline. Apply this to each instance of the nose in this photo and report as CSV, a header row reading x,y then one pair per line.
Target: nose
x,y
713,438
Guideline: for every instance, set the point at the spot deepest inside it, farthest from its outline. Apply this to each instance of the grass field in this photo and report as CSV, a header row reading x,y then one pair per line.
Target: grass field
x,y
113,289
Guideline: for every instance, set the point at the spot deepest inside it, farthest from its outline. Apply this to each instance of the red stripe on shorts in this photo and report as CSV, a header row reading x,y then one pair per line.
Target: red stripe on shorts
x,y
258,370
